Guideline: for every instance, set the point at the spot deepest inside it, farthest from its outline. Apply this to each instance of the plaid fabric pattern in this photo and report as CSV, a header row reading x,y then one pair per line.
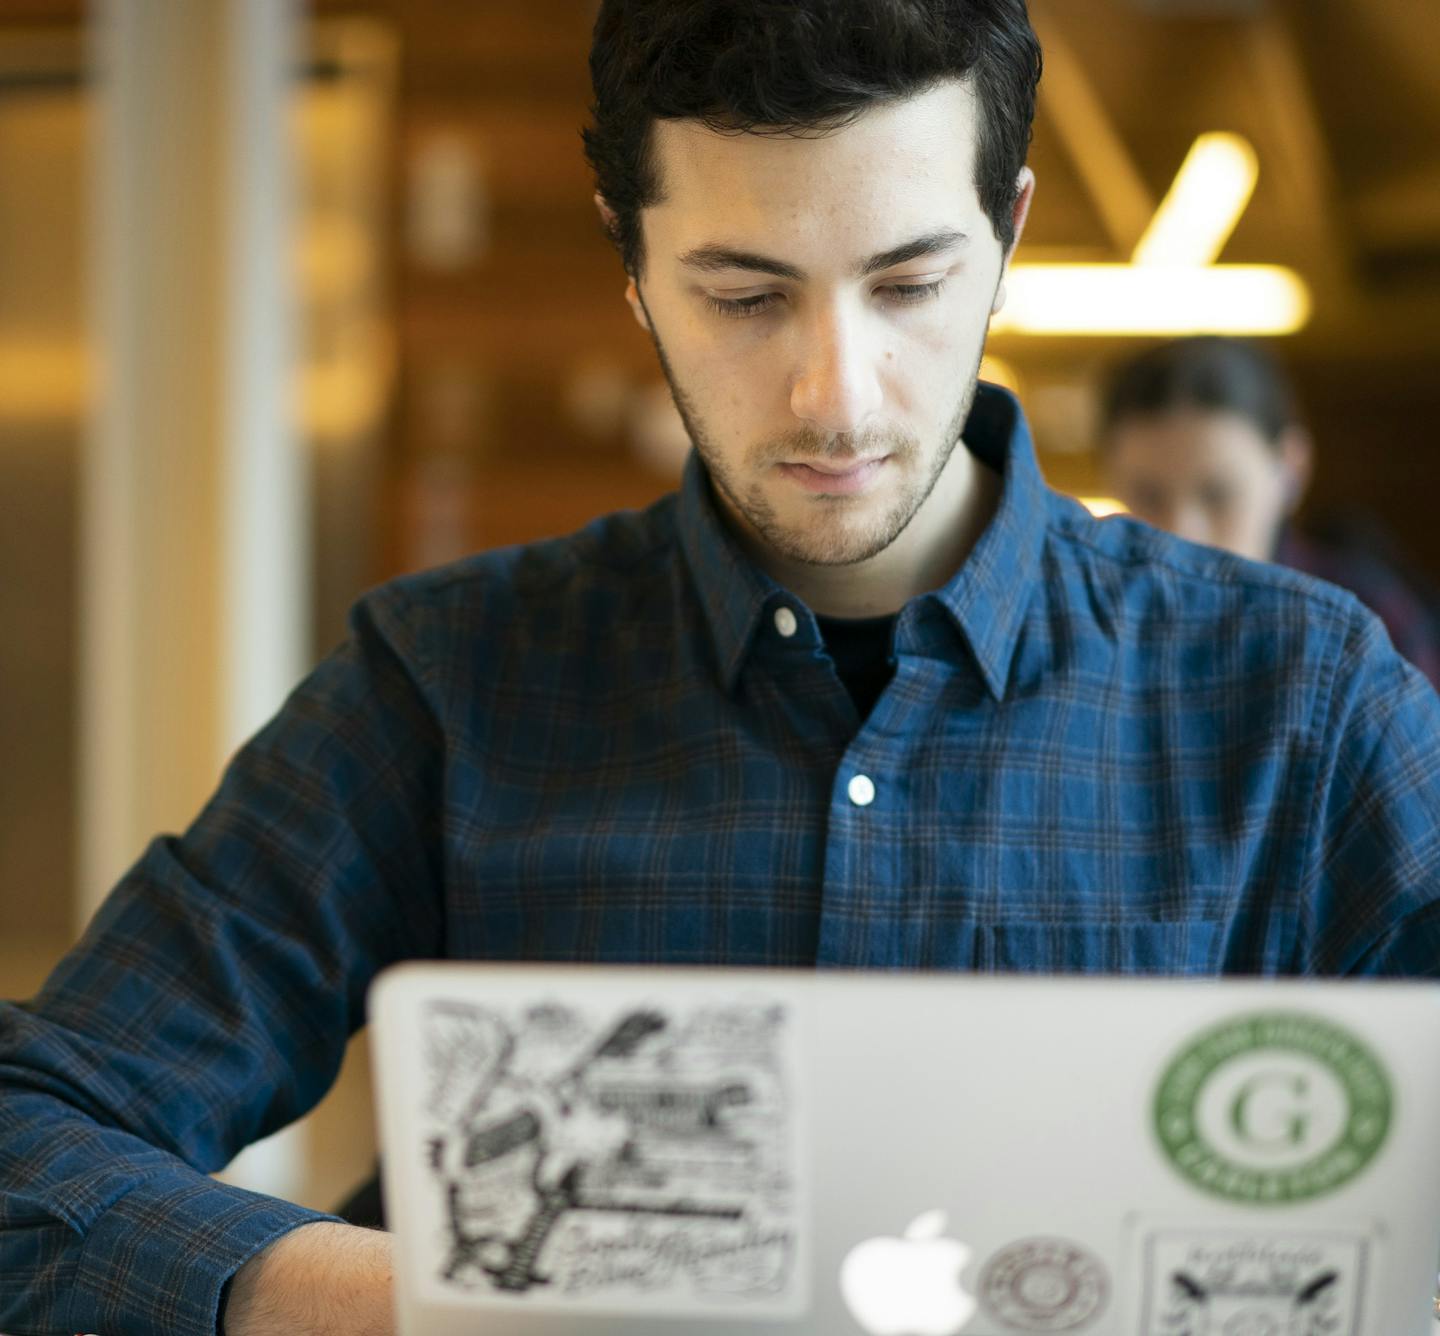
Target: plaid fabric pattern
x,y
1410,623
1102,750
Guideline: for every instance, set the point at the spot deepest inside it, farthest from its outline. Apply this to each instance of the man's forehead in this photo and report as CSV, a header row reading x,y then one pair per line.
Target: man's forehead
x,y
900,172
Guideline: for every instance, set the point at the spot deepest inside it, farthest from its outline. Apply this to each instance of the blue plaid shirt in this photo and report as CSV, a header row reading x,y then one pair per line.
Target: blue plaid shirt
x,y
1102,750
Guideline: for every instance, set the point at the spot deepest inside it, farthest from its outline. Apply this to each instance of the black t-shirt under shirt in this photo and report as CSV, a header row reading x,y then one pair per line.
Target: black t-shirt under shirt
x,y
861,649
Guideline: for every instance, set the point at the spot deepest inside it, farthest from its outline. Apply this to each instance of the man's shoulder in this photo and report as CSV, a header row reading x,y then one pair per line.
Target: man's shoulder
x,y
559,595
1171,616
1167,575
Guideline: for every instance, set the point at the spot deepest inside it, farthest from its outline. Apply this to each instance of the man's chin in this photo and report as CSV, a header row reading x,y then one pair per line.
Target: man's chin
x,y
848,548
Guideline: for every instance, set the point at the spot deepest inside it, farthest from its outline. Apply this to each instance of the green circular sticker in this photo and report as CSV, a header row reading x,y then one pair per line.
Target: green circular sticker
x,y
1272,1108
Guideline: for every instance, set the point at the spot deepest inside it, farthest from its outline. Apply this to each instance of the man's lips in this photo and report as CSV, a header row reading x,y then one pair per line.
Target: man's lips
x,y
825,479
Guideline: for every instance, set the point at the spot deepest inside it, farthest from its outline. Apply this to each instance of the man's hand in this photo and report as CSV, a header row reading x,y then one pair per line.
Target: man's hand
x,y
319,1280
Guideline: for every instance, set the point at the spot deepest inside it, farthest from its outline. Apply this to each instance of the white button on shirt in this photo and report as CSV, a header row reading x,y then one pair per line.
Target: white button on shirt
x,y
785,622
861,790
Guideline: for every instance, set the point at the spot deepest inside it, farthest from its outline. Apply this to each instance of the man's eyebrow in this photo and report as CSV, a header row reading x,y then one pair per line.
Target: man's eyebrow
x,y
932,243
713,258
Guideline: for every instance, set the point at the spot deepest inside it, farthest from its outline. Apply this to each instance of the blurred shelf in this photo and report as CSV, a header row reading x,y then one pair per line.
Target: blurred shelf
x,y
507,341
441,516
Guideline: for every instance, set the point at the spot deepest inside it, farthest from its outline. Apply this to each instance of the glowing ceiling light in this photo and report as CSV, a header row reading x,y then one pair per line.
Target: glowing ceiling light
x,y
1172,286
1101,506
1122,299
1206,201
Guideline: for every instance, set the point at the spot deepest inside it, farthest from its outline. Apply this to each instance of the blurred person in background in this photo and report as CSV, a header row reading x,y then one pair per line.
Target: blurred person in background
x,y
1203,437
864,693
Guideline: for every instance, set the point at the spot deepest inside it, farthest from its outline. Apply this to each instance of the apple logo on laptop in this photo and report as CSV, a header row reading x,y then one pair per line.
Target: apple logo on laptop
x,y
909,1286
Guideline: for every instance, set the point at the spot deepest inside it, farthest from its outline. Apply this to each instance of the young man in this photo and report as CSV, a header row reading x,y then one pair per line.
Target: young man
x,y
863,694
1203,437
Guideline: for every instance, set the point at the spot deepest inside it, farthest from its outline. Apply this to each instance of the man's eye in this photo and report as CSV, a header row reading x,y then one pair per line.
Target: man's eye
x,y
901,294
738,308
910,294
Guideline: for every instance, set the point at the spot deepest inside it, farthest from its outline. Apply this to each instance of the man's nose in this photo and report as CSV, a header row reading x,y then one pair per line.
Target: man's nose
x,y
838,386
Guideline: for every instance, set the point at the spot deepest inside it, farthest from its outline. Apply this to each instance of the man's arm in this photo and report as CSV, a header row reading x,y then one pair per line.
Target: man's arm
x,y
1372,902
210,1001
321,1280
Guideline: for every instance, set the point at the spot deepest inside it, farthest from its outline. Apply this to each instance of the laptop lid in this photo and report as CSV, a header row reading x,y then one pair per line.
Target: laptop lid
x,y
612,1151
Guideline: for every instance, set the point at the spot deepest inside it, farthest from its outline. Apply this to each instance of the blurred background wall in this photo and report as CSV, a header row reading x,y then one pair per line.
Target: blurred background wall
x,y
466,374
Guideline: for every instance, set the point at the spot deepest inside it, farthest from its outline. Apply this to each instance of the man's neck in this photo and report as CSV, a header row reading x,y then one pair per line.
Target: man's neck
x,y
932,547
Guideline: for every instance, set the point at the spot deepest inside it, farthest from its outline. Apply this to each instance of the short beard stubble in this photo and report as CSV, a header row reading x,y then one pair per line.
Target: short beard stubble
x,y
835,539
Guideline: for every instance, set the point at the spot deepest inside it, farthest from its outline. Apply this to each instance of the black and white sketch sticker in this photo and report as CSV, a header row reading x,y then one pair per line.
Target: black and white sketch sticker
x,y
1233,1282
631,1156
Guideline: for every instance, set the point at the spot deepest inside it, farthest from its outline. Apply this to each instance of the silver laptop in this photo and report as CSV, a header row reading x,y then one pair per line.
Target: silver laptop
x,y
685,1152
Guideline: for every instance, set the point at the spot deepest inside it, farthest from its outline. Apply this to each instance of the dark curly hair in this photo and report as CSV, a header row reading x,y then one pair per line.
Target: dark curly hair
x,y
1208,372
800,67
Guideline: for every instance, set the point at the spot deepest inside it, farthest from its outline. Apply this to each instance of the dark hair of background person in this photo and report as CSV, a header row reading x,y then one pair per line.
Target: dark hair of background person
x,y
800,67
1212,373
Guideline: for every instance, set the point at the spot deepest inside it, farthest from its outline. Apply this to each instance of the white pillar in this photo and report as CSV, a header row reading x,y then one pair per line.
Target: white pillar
x,y
195,547
266,598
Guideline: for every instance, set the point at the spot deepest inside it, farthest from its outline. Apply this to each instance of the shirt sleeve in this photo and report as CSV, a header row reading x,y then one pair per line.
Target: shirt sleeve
x,y
210,1001
1373,906
1417,639
1410,623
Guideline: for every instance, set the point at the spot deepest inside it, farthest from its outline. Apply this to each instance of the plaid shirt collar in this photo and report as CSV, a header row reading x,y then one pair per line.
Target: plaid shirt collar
x,y
983,603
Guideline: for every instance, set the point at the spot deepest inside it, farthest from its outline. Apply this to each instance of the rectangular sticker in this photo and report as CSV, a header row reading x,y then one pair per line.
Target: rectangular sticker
x,y
1199,1281
619,1155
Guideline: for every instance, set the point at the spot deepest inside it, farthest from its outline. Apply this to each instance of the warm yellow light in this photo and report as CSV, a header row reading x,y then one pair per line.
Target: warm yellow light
x,y
1101,506
343,395
1206,200
43,380
1122,299
334,258
996,371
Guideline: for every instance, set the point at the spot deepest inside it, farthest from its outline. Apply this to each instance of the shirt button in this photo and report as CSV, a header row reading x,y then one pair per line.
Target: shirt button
x,y
785,622
861,790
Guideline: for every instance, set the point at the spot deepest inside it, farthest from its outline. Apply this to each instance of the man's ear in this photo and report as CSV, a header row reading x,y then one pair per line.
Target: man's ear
x,y
632,293
1297,464
637,308
1019,216
607,217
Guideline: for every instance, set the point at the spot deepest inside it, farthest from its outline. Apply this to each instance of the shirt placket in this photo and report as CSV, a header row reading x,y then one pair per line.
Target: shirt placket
x,y
857,898
867,901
